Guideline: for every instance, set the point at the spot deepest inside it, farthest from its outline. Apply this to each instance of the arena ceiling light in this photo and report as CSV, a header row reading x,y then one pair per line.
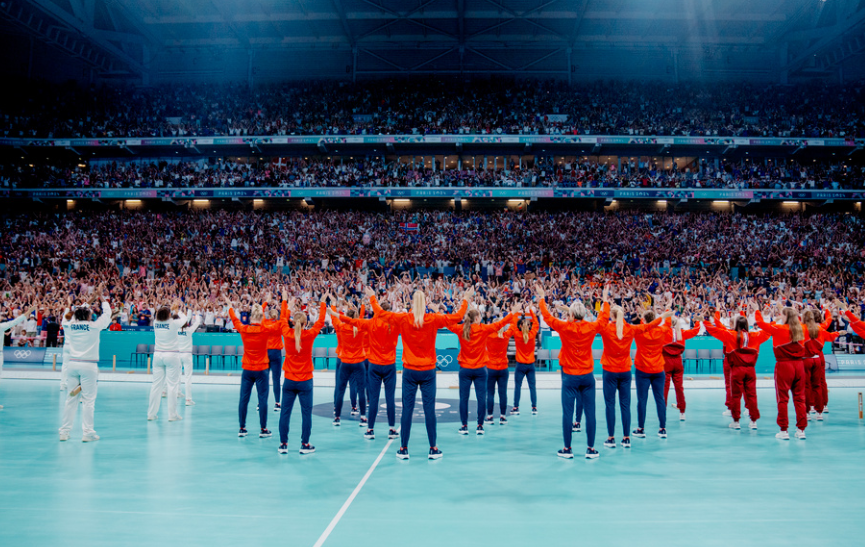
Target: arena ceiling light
x,y
516,200
791,203
133,201
401,200
662,202
721,202
201,201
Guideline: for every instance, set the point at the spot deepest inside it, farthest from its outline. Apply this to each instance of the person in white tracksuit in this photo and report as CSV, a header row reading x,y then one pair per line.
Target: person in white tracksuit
x,y
166,361
8,325
82,335
184,347
64,373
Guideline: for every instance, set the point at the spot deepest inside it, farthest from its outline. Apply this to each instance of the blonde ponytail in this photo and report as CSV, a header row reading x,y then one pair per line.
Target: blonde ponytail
x,y
418,308
526,327
620,321
811,324
256,314
791,318
677,329
299,320
469,321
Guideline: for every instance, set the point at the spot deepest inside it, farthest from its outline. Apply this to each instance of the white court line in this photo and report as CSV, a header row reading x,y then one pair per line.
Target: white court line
x,y
353,495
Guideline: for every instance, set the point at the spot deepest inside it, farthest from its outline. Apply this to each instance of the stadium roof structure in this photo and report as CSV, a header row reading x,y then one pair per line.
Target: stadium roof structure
x,y
149,41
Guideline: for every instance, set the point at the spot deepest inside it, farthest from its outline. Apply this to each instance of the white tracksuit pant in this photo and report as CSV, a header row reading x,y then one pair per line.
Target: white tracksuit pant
x,y
186,362
166,368
85,374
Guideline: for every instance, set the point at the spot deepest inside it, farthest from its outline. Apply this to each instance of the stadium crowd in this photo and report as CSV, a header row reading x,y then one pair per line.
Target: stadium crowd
x,y
692,262
376,172
435,106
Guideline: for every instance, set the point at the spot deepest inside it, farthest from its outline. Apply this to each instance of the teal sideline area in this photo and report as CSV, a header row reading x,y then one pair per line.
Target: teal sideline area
x,y
123,345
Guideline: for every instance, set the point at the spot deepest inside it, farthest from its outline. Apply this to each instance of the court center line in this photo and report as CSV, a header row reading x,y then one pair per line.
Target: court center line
x,y
353,495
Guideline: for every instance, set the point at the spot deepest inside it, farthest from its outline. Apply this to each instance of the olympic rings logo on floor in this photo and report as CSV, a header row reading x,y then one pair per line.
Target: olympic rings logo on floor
x,y
22,353
444,360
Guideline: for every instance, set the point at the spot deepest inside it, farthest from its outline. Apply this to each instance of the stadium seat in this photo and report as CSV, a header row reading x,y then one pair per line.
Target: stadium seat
x,y
229,352
716,355
216,351
689,355
704,356
319,353
140,350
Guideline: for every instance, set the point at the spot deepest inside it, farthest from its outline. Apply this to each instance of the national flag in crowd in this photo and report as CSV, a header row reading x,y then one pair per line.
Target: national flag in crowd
x,y
409,226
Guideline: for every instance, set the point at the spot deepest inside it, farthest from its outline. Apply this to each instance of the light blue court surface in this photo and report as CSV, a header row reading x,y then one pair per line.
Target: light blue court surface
x,y
195,483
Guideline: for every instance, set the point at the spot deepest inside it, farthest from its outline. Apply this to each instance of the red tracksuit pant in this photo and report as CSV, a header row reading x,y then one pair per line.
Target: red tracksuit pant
x,y
728,399
790,376
674,373
743,381
815,377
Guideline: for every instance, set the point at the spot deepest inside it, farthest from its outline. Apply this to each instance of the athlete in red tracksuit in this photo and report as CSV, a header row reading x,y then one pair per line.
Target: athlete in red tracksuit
x,y
674,346
815,363
743,378
788,341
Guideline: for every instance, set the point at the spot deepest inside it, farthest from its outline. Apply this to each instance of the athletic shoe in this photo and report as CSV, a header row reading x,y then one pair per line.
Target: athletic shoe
x,y
811,417
362,422
753,424
800,434
354,411
369,434
728,414
256,408
591,454
392,434
265,433
662,433
534,411
242,433
515,411
89,438
64,436
734,425
336,422
626,443
576,427
435,454
681,416
190,402
610,443
464,430
277,407
306,448
152,418
783,435
175,418
826,409
402,453
566,453
489,419
283,448
812,411
480,429
503,420
640,432
819,416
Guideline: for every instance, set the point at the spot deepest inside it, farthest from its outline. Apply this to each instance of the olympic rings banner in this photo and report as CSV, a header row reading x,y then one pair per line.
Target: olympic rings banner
x,y
440,193
23,355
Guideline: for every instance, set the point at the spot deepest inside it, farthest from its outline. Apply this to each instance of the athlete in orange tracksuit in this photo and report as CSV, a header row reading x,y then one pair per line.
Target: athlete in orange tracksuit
x,y
525,338
352,389
674,346
418,330
497,371
472,359
578,365
743,357
381,354
616,361
298,375
649,362
351,370
788,344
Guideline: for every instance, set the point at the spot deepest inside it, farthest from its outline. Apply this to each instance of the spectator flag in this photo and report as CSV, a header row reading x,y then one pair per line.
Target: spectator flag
x,y
409,226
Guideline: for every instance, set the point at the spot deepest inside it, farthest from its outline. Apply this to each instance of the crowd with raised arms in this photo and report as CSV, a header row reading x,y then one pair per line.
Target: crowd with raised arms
x,y
434,106
391,172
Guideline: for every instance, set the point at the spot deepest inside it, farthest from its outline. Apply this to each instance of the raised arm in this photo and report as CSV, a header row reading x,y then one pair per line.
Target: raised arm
x,y
553,322
536,325
319,323
492,327
443,320
105,319
771,328
719,333
828,321
14,322
386,316
238,326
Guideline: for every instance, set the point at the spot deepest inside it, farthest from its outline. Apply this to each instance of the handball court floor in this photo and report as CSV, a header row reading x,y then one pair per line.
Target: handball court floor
x,y
195,482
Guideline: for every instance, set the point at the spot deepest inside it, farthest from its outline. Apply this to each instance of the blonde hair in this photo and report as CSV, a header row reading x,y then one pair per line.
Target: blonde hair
x,y
469,321
578,310
526,326
791,319
619,314
418,308
273,313
299,320
809,318
677,328
256,313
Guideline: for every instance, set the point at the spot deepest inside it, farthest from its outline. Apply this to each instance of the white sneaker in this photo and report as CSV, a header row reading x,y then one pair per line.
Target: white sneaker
x,y
190,402
800,434
64,436
811,417
783,435
728,414
175,419
734,425
753,424
812,411
826,409
819,416
682,416
151,418
89,438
